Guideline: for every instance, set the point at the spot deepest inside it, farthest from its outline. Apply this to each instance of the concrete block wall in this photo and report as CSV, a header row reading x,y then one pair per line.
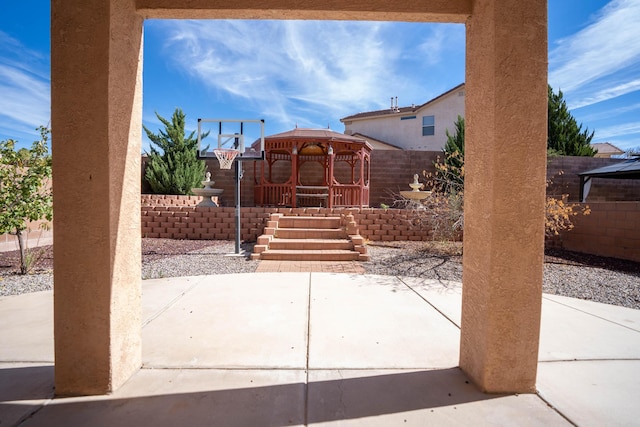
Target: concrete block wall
x,y
612,230
169,200
194,222
392,171
35,236
602,189
185,221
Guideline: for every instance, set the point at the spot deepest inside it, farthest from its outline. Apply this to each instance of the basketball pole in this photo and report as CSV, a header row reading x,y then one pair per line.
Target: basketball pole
x,y
237,173
225,158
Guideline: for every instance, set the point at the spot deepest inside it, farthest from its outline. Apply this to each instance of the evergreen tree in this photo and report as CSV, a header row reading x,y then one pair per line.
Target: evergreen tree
x,y
173,167
455,144
565,137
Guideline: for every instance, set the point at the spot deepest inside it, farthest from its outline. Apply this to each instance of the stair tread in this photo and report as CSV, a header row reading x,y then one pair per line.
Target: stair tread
x,y
310,217
312,240
309,251
310,229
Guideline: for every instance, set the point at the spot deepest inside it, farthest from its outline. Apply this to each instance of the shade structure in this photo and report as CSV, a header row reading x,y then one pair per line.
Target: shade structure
x,y
628,169
313,167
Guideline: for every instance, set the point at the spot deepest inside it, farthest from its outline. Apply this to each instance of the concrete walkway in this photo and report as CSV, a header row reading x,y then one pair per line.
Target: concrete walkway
x,y
278,349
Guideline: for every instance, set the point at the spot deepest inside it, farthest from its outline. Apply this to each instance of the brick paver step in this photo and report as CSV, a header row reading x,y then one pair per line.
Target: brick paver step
x,y
310,222
309,255
310,233
311,244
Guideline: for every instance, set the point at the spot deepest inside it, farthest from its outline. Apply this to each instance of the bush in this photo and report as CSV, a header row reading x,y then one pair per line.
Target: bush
x,y
24,193
443,207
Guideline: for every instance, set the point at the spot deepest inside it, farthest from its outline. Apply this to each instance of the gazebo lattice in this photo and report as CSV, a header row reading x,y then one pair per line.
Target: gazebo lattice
x,y
289,175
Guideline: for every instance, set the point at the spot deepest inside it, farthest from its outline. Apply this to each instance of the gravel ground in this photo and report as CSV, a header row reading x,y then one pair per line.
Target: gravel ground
x,y
605,280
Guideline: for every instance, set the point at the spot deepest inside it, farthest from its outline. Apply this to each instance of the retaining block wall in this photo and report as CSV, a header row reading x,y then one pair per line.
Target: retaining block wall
x,y
612,229
183,221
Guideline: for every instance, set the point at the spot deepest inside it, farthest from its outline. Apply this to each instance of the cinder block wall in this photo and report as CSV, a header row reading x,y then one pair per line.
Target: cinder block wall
x,y
602,189
178,220
612,229
392,171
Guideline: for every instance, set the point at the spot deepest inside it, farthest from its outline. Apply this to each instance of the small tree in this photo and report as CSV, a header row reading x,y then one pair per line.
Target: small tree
x,y
454,153
443,208
173,167
24,193
565,137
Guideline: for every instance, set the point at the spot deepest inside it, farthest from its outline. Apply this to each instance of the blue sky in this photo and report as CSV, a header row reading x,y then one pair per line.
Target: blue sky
x,y
312,73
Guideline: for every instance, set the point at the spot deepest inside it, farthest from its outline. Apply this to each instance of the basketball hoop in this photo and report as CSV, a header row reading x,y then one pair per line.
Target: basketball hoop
x,y
225,157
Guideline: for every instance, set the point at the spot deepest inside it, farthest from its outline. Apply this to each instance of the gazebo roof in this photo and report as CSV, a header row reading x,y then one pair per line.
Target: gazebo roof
x,y
319,135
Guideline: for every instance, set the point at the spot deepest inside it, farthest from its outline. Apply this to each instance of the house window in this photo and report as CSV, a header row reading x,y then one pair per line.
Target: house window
x,y
407,117
428,125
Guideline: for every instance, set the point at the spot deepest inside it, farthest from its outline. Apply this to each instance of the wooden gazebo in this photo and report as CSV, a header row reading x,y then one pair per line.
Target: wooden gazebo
x,y
313,167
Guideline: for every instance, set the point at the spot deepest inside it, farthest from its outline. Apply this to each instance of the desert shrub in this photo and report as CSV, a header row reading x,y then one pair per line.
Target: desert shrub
x,y
443,207
559,213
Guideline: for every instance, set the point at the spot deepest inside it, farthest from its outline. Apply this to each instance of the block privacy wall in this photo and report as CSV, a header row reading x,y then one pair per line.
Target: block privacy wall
x,y
392,171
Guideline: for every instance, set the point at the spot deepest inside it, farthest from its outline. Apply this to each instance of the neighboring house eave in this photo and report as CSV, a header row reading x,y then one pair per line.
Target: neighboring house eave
x,y
361,135
400,111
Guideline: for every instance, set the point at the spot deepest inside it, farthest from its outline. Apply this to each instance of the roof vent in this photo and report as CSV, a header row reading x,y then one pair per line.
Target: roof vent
x,y
394,107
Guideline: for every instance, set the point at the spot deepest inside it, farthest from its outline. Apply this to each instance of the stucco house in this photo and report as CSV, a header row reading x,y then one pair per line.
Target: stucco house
x,y
606,150
418,127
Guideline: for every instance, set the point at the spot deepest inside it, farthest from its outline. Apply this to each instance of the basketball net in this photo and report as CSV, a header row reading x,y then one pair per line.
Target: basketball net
x,y
225,157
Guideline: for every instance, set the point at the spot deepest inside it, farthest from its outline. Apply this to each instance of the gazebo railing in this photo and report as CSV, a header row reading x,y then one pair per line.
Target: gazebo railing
x,y
339,194
349,195
273,195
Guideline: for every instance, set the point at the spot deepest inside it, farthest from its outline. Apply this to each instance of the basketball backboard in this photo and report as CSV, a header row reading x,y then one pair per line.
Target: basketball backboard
x,y
244,135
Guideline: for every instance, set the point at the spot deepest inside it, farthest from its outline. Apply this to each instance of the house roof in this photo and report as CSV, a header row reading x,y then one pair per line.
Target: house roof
x,y
606,148
376,141
628,169
400,110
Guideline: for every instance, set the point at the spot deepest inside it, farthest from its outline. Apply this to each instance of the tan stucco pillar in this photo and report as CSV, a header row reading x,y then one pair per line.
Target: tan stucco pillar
x,y
505,160
96,96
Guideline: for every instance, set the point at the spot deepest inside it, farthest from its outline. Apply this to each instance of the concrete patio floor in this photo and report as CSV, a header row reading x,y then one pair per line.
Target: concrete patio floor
x,y
278,349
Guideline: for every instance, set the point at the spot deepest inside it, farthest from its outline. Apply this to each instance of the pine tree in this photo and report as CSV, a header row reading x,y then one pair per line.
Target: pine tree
x,y
565,137
173,167
455,144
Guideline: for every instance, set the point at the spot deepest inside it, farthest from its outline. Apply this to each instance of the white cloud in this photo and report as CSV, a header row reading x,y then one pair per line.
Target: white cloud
x,y
607,93
431,49
288,69
602,48
623,129
25,88
612,112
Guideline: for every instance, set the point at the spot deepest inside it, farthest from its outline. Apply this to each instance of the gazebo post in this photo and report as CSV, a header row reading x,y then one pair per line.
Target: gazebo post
x,y
330,156
294,174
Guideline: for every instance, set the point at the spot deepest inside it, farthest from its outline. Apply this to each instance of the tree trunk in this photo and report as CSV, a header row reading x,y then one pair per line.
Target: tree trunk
x,y
21,245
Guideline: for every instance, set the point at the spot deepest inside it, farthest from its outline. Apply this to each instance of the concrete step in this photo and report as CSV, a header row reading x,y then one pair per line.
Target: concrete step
x,y
309,255
311,244
310,222
310,233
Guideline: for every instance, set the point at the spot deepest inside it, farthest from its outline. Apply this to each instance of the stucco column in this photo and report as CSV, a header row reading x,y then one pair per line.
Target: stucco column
x,y
96,97
505,162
